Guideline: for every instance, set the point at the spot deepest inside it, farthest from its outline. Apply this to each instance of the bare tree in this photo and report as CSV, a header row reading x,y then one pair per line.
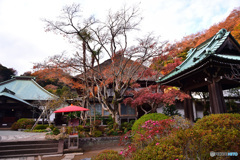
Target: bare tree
x,y
106,82
235,73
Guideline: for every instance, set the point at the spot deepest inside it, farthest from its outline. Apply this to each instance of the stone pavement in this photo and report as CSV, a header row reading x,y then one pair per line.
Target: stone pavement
x,y
6,135
20,158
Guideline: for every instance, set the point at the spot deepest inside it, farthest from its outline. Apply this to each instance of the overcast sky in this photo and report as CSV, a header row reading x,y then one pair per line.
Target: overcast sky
x,y
23,40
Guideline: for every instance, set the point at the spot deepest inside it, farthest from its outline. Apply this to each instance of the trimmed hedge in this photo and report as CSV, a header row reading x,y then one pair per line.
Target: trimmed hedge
x,y
41,126
216,132
153,116
22,123
108,155
214,121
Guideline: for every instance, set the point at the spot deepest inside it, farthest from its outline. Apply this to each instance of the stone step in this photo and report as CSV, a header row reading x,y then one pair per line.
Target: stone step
x,y
25,155
30,148
27,142
28,151
22,146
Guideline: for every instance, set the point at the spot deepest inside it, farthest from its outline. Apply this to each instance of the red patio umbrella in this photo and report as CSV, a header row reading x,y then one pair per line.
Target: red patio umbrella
x,y
71,108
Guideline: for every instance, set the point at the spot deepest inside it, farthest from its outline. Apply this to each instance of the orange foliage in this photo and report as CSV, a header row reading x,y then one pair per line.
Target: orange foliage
x,y
57,74
179,49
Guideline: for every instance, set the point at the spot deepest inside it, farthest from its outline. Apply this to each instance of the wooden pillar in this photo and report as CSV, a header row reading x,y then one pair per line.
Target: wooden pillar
x,y
216,97
188,108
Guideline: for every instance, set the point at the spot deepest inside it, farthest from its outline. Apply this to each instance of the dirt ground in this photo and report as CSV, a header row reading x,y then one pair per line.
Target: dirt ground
x,y
86,154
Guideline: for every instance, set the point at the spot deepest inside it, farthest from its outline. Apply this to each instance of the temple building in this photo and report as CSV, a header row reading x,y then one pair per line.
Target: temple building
x,y
210,67
19,97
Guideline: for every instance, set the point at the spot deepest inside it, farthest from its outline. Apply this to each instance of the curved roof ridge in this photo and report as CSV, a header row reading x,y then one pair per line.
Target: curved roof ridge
x,y
7,81
199,53
27,88
43,89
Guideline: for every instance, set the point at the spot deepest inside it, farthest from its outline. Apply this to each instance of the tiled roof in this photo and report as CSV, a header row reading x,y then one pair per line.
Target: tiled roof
x,y
26,88
5,94
200,53
120,61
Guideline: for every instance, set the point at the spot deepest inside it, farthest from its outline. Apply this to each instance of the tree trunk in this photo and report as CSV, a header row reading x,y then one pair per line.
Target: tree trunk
x,y
38,119
117,120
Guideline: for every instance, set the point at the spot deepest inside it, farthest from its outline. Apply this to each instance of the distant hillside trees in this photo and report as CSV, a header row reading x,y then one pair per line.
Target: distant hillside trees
x,y
6,73
176,52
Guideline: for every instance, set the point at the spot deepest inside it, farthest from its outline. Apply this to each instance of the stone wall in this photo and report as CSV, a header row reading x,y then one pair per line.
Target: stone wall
x,y
96,143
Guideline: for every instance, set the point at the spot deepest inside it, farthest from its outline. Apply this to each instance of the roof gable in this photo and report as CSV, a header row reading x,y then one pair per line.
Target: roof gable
x,y
110,66
9,95
221,45
26,88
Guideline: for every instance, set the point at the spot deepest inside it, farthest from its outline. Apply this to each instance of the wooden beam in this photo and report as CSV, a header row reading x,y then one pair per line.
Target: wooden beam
x,y
195,86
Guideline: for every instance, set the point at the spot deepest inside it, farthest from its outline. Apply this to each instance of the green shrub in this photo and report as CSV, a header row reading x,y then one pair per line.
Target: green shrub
x,y
39,130
153,116
125,127
217,132
108,155
151,131
55,131
97,133
51,127
113,132
22,123
41,127
181,123
80,128
29,126
170,110
166,148
69,130
214,121
15,126
97,122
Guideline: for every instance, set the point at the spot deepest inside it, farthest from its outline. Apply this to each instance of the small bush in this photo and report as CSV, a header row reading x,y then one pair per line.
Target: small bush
x,y
217,132
125,127
39,130
97,133
55,131
69,130
22,123
215,121
80,128
151,131
151,116
165,149
29,126
15,126
41,127
113,132
50,136
51,127
170,110
108,155
97,123
181,123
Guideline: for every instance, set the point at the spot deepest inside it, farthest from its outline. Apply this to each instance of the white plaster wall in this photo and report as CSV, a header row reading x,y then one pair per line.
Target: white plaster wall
x,y
197,114
160,110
